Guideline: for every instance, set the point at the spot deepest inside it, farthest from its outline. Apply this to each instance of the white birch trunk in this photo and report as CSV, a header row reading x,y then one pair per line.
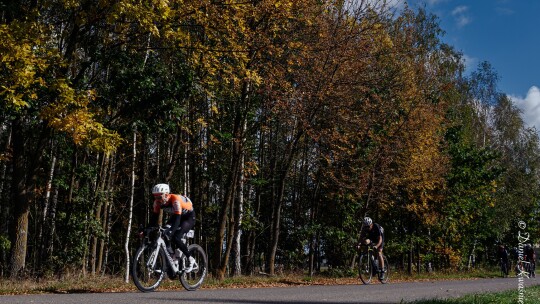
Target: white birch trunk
x,y
238,236
126,246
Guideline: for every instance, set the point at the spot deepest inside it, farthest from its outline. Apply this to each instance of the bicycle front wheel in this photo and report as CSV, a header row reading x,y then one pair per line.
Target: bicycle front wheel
x,y
194,279
148,269
365,269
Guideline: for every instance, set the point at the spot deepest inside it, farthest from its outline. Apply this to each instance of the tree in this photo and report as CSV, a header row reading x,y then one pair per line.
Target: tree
x,y
35,94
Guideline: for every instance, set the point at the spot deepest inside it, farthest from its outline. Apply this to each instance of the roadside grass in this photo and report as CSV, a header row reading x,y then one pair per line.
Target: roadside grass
x,y
76,283
531,295
477,273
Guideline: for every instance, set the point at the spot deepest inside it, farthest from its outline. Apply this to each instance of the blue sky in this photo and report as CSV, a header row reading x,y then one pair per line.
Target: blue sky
x,y
506,33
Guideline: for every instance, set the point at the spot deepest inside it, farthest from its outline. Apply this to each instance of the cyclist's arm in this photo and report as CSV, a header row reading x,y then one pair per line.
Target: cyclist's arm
x,y
174,220
378,245
154,217
377,236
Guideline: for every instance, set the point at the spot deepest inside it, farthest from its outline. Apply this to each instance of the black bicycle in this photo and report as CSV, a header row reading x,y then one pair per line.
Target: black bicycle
x,y
152,261
368,266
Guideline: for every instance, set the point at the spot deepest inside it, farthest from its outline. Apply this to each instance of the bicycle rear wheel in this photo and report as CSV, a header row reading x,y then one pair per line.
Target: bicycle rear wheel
x,y
194,279
365,269
383,277
148,268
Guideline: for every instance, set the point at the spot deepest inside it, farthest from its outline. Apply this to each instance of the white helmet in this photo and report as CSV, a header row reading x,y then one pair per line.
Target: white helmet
x,y
368,221
161,188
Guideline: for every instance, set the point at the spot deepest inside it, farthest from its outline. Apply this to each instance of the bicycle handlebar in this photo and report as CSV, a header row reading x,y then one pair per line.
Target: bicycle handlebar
x,y
369,246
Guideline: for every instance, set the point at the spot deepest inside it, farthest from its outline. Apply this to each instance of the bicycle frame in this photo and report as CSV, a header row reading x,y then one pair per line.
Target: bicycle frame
x,y
153,260
373,255
161,245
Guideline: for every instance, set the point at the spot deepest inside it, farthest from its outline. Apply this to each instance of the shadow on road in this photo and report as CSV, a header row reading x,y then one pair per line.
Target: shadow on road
x,y
250,301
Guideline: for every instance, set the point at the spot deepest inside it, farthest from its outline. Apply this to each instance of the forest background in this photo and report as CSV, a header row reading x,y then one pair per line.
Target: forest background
x,y
286,122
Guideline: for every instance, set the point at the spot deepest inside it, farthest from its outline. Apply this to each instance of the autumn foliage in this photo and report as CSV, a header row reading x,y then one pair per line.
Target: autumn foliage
x,y
286,122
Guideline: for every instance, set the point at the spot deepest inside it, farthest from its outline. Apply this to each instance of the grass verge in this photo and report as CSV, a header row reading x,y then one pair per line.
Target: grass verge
x,y
531,295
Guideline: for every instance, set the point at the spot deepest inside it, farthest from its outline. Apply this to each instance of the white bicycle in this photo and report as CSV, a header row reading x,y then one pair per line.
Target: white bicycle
x,y
152,262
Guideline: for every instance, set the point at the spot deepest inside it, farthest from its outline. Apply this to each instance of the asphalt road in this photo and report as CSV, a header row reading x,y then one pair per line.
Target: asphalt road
x,y
375,293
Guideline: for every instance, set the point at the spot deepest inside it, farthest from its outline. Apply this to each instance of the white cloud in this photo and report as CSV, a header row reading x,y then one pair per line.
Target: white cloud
x,y
399,4
530,106
460,15
469,62
460,10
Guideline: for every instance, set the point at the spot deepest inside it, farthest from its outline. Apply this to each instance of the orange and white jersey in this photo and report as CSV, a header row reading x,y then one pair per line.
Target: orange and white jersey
x,y
176,204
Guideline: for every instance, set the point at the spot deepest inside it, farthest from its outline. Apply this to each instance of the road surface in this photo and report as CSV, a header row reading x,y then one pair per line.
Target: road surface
x,y
375,293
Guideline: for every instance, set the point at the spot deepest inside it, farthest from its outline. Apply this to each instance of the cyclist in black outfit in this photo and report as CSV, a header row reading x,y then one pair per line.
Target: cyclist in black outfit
x,y
530,257
502,255
372,233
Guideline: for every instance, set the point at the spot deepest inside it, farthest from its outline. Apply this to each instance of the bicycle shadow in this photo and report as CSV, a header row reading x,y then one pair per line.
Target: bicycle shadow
x,y
250,301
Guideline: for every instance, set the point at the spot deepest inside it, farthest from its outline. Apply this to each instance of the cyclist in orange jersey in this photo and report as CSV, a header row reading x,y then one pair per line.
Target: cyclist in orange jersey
x,y
181,219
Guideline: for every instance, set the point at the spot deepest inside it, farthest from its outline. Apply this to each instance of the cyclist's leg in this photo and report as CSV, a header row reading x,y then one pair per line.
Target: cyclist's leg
x,y
380,256
186,224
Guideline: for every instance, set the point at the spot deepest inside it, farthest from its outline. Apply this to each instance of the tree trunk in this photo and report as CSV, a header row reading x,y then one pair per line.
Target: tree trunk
x,y
46,206
230,192
4,209
97,245
51,226
106,241
98,206
251,240
313,240
104,194
276,213
410,261
173,160
418,261
239,210
276,223
131,198
21,203
225,217
2,180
